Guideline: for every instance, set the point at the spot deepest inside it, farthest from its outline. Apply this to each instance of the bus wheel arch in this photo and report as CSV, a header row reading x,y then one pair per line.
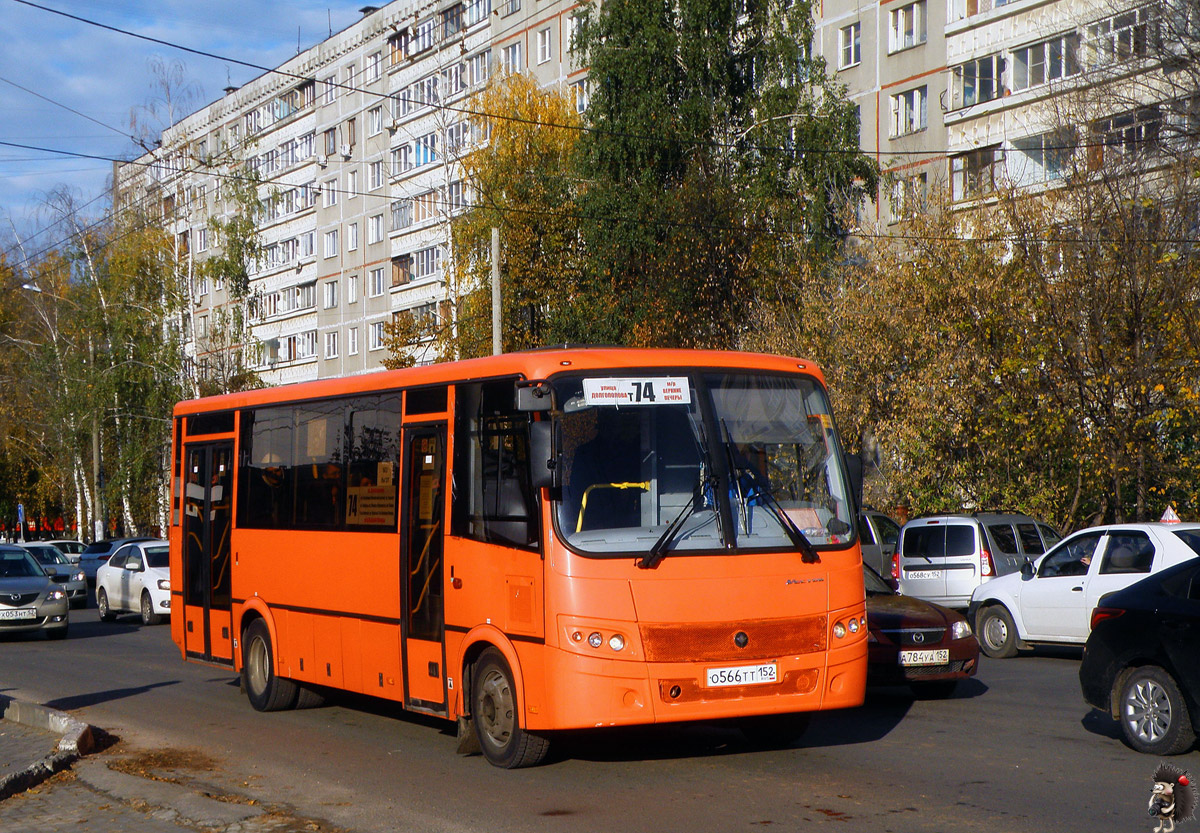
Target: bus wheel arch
x,y
493,699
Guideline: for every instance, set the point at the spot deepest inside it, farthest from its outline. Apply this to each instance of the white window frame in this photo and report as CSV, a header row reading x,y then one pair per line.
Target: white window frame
x,y
331,294
909,111
352,341
544,45
352,237
330,245
850,45
331,344
908,27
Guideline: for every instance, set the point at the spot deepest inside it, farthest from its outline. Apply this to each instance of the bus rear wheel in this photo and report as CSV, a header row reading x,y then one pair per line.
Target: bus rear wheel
x,y
495,714
266,691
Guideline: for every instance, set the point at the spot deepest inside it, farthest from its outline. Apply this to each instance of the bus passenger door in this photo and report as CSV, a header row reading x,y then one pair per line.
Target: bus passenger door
x,y
207,523
424,529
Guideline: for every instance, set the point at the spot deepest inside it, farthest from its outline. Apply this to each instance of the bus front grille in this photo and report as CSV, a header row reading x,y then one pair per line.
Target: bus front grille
x,y
734,641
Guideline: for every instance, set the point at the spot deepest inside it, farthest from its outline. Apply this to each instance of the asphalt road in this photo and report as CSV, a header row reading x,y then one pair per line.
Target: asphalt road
x,y
1016,750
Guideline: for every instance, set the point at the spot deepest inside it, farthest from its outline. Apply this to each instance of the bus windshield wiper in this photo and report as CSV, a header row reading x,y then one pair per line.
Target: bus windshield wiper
x,y
762,493
659,550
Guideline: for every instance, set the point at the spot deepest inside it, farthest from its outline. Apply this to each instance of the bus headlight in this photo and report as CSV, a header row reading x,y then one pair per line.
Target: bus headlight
x,y
616,642
595,639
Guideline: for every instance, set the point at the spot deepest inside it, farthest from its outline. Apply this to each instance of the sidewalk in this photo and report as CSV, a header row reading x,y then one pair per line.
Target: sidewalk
x,y
46,785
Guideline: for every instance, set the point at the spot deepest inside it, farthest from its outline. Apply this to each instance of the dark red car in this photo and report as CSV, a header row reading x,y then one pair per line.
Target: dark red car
x,y
911,642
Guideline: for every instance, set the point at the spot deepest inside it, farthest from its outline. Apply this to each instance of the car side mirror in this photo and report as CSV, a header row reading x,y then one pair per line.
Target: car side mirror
x,y
543,456
1027,570
51,571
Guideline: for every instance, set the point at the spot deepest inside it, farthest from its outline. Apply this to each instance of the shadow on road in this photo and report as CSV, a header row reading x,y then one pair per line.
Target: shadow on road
x,y
1097,722
80,701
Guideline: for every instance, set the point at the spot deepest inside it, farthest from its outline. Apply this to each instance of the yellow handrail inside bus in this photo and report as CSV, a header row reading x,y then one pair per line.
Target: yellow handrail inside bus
x,y
644,486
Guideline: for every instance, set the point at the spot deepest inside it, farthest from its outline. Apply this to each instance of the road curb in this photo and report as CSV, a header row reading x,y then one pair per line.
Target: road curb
x,y
76,741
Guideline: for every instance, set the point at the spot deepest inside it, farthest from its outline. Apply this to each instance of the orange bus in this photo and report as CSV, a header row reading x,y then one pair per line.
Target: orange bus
x,y
555,539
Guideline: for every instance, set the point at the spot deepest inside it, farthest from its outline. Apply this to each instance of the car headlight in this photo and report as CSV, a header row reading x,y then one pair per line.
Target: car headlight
x,y
79,576
164,584
960,629
56,595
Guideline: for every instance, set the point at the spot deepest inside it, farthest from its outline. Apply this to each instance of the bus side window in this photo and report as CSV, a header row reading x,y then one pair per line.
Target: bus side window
x,y
493,500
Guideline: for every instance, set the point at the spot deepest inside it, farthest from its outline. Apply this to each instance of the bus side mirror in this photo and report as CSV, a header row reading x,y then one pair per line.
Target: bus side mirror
x,y
854,468
543,461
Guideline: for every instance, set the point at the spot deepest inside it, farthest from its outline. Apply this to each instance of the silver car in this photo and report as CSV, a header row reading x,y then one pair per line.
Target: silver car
x,y
29,599
67,575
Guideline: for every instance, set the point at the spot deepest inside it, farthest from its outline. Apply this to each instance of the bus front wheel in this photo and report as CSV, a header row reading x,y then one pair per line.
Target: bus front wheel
x,y
494,711
266,691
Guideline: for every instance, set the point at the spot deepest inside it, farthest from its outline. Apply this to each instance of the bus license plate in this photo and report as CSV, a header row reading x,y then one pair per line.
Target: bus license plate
x,y
940,657
20,613
741,675
918,575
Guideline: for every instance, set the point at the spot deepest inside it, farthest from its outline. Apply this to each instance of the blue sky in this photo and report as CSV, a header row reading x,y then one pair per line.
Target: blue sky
x,y
108,76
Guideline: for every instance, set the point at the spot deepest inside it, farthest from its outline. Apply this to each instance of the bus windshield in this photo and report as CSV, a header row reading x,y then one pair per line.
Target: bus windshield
x,y
700,461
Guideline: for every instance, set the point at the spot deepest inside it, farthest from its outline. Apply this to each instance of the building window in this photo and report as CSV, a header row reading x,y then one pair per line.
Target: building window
x,y
352,289
331,345
308,243
375,283
478,10
1042,63
909,112
330,141
479,68
330,190
374,67
508,7
352,341
424,206
331,243
1043,158
425,150
908,27
331,294
352,237
376,335
909,196
850,45
401,270
375,175
510,58
975,174
977,81
401,214
202,239
375,228
1120,37
427,262
1125,137
543,45
452,21
374,121
351,184
580,90
329,87
398,47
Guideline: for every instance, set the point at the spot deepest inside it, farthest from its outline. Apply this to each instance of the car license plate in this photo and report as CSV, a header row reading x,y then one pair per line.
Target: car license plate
x,y
918,575
741,675
19,613
938,657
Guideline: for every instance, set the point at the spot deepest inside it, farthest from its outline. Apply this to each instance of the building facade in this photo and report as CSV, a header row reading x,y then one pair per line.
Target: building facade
x,y
355,146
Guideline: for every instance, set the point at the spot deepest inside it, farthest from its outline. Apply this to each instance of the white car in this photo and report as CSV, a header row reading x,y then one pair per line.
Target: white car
x,y
1051,599
136,579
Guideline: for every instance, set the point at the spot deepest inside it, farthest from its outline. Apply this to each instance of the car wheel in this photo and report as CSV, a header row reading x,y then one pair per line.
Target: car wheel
x,y
149,617
997,633
934,690
1154,717
266,691
774,731
106,614
494,711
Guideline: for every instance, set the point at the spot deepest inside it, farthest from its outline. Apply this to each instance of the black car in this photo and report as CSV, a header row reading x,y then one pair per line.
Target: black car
x,y
1141,663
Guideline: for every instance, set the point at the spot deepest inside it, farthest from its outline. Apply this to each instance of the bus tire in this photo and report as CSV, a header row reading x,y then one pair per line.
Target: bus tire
x,y
266,691
495,713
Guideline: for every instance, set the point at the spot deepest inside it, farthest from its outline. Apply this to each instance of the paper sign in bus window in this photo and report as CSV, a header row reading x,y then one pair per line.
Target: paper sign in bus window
x,y
657,390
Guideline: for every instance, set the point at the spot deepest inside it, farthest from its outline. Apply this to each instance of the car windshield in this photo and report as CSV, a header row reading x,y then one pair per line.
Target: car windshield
x,y
875,585
158,556
48,555
667,462
19,565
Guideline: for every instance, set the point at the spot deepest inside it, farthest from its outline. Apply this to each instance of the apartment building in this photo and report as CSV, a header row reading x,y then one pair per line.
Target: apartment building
x,y
356,143
973,95
891,57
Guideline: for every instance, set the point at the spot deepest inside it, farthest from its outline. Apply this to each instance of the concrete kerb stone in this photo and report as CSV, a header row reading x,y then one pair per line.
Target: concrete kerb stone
x,y
76,740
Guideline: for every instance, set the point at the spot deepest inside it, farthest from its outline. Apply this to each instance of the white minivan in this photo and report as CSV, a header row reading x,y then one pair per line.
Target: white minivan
x,y
943,558
1051,599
